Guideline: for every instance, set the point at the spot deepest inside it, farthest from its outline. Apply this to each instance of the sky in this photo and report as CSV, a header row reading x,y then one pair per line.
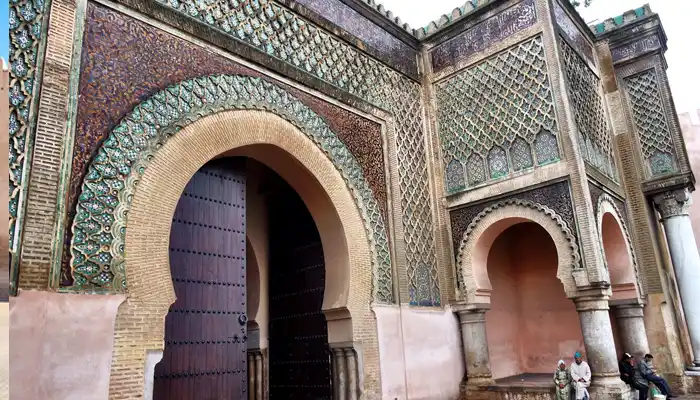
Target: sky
x,y
679,19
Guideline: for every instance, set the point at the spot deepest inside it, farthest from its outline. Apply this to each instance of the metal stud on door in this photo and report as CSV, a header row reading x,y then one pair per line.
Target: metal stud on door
x,y
205,332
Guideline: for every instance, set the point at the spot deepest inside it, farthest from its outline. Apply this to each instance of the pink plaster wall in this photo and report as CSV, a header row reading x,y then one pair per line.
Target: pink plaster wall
x,y
420,353
61,345
691,135
618,258
538,324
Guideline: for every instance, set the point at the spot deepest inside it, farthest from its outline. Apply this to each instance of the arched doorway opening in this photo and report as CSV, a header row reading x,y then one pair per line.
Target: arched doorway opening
x,y
618,258
626,315
206,330
531,323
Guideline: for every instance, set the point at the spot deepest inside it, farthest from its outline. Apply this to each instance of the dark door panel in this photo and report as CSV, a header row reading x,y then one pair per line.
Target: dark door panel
x,y
205,330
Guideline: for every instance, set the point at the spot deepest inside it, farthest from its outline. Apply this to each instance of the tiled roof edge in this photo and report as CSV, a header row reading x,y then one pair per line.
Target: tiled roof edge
x,y
447,19
389,15
627,17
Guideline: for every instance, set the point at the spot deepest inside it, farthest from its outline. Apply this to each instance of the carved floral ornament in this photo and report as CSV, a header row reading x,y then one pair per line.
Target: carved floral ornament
x,y
674,203
99,228
563,226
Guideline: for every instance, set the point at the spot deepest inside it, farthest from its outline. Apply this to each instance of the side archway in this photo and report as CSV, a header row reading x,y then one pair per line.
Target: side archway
x,y
494,220
618,254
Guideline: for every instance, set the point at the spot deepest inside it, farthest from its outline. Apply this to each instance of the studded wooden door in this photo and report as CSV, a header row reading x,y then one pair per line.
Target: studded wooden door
x,y
298,337
205,330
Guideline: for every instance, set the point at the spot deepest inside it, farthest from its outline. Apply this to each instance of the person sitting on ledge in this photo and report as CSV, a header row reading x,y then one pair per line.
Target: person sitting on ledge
x,y
580,377
562,382
647,371
632,376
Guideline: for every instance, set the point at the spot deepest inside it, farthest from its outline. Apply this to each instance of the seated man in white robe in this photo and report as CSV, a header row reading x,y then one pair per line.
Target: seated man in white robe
x,y
580,377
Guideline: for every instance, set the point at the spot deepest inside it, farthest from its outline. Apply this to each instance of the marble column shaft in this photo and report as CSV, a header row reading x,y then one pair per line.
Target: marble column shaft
x,y
475,344
598,338
633,334
673,207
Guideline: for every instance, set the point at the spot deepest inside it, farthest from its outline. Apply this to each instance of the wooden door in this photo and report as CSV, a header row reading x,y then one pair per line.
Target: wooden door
x,y
298,337
205,330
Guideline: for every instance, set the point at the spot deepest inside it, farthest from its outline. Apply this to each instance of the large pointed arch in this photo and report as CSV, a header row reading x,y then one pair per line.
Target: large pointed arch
x,y
99,229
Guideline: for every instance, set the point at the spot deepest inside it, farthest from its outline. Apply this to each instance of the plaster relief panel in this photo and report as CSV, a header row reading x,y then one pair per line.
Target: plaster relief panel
x,y
497,118
650,122
594,133
484,34
573,34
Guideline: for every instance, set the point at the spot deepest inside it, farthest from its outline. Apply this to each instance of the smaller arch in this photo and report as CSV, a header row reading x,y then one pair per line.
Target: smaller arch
x,y
494,220
618,254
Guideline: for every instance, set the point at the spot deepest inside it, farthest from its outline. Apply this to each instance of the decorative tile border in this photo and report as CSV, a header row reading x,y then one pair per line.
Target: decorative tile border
x,y
400,55
636,48
99,228
484,34
573,34
27,23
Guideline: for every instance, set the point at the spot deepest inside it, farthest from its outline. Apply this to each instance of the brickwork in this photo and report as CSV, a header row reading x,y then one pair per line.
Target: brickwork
x,y
51,124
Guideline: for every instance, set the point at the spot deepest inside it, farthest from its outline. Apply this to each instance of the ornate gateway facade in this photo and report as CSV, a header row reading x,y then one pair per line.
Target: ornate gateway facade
x,y
228,199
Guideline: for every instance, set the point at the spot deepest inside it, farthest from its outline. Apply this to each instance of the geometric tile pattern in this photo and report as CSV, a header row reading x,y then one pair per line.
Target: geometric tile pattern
x,y
417,218
497,117
97,246
25,20
650,120
584,89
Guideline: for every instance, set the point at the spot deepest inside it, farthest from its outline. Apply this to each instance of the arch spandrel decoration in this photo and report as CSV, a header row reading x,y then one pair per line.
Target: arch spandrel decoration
x,y
523,210
606,204
99,228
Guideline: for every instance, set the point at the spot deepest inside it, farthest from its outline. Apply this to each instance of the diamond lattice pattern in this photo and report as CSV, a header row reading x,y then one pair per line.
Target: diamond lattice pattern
x,y
650,121
499,106
595,139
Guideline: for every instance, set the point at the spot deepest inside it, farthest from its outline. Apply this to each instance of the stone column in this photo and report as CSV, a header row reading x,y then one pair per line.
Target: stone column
x,y
256,374
475,346
633,334
673,207
598,339
345,372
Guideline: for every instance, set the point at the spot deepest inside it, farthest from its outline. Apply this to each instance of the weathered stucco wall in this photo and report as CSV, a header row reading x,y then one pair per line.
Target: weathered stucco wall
x,y
691,134
61,345
420,353
529,309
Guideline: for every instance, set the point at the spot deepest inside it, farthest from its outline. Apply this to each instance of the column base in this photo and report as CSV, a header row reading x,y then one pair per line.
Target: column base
x,y
609,388
601,389
691,382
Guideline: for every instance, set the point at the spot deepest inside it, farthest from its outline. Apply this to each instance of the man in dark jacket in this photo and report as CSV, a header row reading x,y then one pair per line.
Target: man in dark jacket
x,y
632,376
647,370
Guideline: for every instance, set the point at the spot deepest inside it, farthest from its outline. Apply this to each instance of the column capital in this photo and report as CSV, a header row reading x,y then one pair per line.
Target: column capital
x,y
673,203
471,313
590,303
